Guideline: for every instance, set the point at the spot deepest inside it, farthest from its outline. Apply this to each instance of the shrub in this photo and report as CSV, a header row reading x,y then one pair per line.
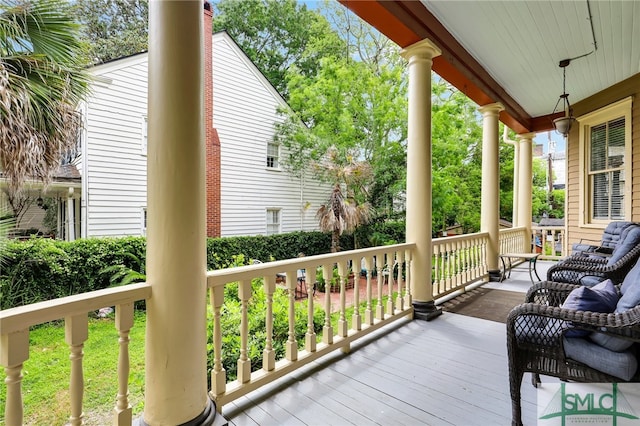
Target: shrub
x,y
380,233
43,269
220,251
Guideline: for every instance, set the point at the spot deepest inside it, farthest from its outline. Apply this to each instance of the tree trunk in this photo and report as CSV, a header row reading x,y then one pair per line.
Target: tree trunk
x,y
335,242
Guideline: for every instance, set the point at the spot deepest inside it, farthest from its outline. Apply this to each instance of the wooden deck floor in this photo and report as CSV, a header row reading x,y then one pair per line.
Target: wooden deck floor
x,y
449,371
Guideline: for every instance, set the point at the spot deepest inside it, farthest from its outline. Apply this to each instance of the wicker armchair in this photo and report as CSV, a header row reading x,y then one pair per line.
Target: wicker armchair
x,y
589,270
536,339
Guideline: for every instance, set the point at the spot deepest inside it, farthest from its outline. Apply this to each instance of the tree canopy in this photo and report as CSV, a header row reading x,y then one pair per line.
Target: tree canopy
x,y
113,28
278,34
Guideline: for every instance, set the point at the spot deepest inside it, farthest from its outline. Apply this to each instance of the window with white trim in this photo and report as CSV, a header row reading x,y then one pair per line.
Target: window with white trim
x,y
273,221
273,155
144,134
606,141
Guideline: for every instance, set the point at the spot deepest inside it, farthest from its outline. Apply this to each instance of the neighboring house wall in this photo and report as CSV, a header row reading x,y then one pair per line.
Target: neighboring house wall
x,y
114,152
244,112
114,166
579,224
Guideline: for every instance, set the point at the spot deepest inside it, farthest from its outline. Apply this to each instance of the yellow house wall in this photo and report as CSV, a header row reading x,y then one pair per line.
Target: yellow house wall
x,y
624,89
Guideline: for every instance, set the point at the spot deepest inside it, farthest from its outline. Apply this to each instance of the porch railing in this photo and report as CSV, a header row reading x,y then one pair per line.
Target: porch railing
x,y
14,345
381,296
458,261
386,301
514,240
550,241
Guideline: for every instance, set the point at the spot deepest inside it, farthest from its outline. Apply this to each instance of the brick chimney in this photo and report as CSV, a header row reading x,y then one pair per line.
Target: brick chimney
x,y
211,135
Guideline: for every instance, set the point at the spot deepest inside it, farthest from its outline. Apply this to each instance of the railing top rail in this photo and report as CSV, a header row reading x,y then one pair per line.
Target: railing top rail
x,y
222,276
514,229
550,228
21,317
461,237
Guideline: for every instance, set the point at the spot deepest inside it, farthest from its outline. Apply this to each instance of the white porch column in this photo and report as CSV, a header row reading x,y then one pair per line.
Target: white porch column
x,y
419,203
525,183
71,217
490,199
175,382
516,174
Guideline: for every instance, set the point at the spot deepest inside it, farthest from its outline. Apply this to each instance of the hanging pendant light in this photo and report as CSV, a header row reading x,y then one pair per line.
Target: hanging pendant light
x,y
563,124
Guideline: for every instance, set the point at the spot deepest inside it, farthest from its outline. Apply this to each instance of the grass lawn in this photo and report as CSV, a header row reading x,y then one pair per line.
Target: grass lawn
x,y
45,385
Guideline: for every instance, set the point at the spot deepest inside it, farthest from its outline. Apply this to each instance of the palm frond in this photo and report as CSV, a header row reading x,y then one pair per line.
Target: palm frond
x,y
42,80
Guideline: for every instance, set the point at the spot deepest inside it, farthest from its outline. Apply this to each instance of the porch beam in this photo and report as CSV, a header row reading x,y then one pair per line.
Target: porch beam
x,y
419,202
525,182
175,382
490,198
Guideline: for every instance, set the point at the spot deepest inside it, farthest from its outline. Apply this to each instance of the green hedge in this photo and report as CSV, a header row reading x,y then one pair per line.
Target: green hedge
x,y
220,251
43,269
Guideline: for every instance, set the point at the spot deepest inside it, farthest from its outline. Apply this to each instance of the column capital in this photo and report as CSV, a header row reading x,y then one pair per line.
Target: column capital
x,y
525,137
491,109
424,49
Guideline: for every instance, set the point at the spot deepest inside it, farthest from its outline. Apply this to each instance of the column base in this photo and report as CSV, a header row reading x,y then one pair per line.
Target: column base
x,y
495,276
209,417
425,311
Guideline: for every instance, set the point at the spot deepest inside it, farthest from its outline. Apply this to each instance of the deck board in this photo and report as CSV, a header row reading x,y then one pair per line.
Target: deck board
x,y
448,371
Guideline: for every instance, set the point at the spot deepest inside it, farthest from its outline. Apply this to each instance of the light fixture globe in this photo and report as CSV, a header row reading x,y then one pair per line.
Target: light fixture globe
x,y
563,125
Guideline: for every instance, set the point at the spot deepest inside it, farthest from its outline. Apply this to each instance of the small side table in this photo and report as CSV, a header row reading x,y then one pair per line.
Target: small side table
x,y
531,259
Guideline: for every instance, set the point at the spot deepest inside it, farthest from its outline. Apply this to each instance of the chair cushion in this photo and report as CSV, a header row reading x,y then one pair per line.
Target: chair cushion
x,y
630,290
613,343
590,281
602,297
615,232
619,364
631,239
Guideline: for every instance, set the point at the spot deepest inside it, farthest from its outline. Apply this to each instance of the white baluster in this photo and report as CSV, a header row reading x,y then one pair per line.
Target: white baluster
x,y
401,294
124,321
356,321
310,337
342,321
408,299
292,345
244,363
390,281
219,374
14,351
368,311
269,355
380,269
76,330
327,333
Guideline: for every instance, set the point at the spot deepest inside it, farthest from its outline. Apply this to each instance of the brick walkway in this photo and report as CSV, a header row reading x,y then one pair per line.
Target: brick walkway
x,y
319,297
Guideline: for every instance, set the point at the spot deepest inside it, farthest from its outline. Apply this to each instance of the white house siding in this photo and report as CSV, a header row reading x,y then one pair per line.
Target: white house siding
x,y
114,166
115,178
244,112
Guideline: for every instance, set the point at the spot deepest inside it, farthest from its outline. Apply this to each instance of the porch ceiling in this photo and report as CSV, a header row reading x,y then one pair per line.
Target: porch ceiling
x,y
508,51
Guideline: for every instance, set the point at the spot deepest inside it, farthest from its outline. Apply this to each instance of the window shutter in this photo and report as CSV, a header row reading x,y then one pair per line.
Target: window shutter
x,y
607,147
